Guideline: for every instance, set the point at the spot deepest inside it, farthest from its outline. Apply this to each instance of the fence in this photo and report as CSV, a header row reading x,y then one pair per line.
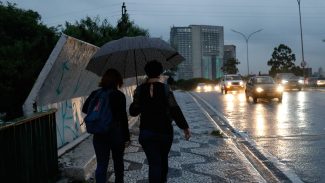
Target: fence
x,y
29,149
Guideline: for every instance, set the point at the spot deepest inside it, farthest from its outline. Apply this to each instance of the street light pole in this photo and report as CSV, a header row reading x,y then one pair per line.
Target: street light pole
x,y
246,39
303,63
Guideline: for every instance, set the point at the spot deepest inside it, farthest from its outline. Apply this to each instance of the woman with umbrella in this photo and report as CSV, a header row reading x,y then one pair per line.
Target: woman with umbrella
x,y
118,135
156,104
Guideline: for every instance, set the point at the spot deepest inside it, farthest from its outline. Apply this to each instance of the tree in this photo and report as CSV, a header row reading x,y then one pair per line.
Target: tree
x,y
283,61
25,46
125,27
97,32
230,66
90,30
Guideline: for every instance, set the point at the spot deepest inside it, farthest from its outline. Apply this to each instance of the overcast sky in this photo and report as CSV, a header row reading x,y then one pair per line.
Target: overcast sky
x,y
279,20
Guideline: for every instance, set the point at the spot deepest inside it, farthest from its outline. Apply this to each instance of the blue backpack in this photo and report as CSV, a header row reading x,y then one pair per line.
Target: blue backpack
x,y
99,114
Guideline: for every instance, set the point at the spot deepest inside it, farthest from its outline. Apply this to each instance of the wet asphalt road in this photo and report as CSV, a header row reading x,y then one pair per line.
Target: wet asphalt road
x,y
293,131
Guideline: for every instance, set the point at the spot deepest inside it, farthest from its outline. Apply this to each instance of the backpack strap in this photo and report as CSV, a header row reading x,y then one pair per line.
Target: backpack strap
x,y
167,89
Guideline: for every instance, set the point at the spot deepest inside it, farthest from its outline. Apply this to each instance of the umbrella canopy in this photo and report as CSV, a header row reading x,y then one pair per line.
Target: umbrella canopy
x,y
129,55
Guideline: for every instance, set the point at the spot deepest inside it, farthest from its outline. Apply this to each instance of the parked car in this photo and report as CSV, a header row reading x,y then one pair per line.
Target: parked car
x,y
289,81
263,87
231,82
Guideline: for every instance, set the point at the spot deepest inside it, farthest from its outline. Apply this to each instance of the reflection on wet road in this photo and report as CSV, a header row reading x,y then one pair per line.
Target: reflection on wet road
x,y
293,131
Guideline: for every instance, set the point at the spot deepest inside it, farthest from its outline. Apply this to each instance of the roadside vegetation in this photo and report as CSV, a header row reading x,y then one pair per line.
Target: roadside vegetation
x,y
25,46
217,133
26,43
283,61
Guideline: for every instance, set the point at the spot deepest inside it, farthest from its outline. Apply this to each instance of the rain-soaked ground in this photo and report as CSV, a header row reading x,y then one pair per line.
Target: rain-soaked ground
x,y
205,158
293,131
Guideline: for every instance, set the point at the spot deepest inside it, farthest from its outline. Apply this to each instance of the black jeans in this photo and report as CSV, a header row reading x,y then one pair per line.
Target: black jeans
x,y
103,144
156,147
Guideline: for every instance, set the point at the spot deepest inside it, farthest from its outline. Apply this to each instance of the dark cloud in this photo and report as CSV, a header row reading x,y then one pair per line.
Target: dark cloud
x,y
278,18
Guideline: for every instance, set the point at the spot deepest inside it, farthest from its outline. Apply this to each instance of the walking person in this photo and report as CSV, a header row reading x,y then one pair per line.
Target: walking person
x,y
116,138
156,104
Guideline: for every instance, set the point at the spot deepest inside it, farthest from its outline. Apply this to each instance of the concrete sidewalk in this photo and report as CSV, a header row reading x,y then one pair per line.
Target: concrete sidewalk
x,y
204,158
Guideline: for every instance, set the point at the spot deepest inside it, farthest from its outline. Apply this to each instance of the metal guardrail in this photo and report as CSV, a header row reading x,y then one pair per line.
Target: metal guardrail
x,y
28,150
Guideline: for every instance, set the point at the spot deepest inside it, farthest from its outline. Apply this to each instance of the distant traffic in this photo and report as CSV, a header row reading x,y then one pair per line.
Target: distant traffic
x,y
261,87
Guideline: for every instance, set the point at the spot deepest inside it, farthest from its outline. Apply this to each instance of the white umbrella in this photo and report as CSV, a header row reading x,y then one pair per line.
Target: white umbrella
x,y
129,55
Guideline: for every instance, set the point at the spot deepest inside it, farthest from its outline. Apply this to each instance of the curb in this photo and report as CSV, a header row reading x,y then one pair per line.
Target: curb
x,y
268,166
76,164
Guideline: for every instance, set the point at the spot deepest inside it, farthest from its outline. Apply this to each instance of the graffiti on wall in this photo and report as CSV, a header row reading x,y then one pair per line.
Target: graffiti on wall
x,y
69,118
64,84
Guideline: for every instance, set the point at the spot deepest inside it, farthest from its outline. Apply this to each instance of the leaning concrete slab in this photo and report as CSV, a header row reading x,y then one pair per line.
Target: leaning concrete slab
x,y
64,75
64,83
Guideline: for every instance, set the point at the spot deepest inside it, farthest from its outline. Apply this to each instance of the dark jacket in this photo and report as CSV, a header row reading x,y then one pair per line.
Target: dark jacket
x,y
157,111
118,107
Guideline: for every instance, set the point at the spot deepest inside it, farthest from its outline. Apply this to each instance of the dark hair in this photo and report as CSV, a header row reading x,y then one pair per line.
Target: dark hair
x,y
153,69
170,80
111,79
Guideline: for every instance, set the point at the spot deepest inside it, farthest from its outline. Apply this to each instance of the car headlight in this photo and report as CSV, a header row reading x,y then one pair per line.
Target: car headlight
x,y
259,89
198,88
228,84
279,89
284,81
241,83
300,81
207,88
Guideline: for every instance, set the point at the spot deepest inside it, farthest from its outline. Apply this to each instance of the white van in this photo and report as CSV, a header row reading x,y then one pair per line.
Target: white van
x,y
232,82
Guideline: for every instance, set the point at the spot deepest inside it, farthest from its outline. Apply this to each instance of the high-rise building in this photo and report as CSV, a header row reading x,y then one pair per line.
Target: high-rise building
x,y
320,72
229,52
181,40
202,47
308,71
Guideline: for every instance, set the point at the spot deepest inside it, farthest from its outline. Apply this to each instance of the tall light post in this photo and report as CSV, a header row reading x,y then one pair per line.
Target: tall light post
x,y
303,62
246,39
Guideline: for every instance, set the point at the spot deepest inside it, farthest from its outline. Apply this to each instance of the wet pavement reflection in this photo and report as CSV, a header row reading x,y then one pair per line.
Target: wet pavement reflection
x,y
293,131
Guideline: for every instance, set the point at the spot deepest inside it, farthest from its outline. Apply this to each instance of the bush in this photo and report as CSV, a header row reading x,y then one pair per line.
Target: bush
x,y
217,133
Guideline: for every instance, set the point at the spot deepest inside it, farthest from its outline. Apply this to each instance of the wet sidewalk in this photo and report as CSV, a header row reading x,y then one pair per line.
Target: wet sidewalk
x,y
204,158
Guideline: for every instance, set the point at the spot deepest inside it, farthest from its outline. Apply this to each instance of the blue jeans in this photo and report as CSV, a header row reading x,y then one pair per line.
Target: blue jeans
x,y
156,147
103,144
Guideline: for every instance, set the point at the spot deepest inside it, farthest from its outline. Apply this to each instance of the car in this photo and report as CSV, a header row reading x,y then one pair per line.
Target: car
x,y
231,82
311,81
320,81
263,87
289,81
205,87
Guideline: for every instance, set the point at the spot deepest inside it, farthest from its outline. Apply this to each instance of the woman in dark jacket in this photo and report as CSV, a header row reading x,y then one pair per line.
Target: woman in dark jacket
x,y
118,135
156,104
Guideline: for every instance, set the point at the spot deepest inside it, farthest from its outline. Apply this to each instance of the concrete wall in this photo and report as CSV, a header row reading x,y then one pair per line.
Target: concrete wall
x,y
64,83
69,118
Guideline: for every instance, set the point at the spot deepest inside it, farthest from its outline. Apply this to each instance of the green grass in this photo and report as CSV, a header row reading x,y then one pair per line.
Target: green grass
x,y
217,133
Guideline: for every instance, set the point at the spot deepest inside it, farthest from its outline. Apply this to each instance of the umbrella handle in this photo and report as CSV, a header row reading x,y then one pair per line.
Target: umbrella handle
x,y
135,67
